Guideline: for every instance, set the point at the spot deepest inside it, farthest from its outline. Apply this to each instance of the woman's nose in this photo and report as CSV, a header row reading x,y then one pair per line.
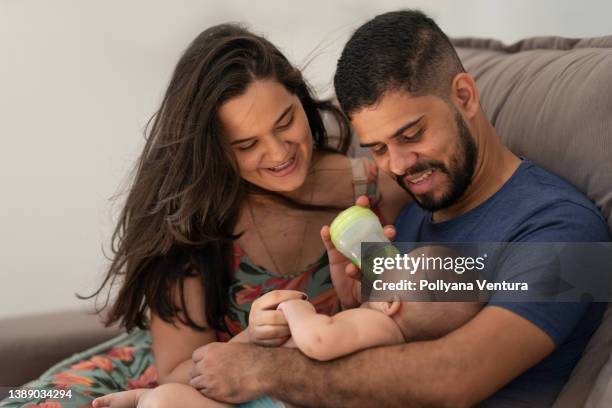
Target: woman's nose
x,y
277,149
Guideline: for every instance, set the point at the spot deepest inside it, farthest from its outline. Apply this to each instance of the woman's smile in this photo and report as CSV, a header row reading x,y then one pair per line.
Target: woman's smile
x,y
285,168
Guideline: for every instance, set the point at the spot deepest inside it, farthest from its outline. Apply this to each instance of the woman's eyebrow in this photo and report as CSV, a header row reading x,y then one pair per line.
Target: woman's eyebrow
x,y
282,115
242,140
280,118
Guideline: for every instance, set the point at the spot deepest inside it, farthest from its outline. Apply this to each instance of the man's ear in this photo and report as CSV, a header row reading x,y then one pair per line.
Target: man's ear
x,y
391,308
464,94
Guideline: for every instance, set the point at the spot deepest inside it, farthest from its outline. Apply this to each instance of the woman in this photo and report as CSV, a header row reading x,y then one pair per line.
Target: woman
x,y
237,176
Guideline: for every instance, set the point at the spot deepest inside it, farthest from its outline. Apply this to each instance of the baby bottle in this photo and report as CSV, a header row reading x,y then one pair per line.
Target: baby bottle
x,y
355,225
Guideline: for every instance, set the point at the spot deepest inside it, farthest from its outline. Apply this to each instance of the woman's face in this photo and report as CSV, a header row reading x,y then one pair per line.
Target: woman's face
x,y
269,132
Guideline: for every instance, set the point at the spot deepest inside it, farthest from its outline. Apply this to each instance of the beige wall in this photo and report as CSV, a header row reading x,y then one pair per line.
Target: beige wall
x,y
79,79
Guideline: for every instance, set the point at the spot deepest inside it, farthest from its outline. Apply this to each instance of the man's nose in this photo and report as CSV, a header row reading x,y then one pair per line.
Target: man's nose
x,y
400,160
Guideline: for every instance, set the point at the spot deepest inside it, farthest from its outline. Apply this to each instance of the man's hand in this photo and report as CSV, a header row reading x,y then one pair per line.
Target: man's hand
x,y
268,326
345,275
227,371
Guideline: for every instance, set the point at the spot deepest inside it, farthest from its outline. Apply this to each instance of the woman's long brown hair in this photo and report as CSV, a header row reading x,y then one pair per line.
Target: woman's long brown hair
x,y
181,210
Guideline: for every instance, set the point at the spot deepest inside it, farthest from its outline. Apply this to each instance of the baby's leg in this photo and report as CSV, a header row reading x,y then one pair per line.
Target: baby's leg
x,y
179,395
123,399
165,395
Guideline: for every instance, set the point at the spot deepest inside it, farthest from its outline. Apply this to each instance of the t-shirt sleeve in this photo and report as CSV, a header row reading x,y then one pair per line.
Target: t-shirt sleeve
x,y
562,222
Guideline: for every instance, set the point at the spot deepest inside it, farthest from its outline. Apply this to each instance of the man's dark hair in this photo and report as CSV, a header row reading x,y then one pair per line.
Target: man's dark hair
x,y
400,50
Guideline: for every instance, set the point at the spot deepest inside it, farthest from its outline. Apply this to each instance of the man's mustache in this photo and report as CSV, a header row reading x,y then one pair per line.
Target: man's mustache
x,y
420,167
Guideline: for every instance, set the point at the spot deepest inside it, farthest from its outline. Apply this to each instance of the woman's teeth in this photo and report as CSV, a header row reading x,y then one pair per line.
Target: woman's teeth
x,y
421,177
283,165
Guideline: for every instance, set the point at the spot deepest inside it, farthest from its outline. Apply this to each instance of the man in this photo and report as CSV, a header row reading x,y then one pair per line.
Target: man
x,y
409,99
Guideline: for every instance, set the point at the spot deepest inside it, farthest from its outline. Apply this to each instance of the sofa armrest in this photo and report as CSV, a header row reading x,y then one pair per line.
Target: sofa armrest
x,y
31,344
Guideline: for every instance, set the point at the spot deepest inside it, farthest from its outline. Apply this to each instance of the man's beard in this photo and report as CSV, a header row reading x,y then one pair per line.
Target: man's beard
x,y
463,163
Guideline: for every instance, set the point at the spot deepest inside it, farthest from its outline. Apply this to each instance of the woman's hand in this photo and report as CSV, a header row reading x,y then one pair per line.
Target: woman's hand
x,y
268,326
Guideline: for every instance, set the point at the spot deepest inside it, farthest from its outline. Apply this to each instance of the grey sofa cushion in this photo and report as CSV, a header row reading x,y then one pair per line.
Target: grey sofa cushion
x,y
550,99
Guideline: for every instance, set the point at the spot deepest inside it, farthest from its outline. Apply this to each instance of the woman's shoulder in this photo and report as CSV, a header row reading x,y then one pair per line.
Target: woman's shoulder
x,y
393,198
348,177
331,178
380,187
323,160
359,171
342,179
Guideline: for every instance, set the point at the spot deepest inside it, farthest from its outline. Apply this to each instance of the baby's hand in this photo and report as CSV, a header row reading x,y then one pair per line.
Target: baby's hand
x,y
267,326
124,399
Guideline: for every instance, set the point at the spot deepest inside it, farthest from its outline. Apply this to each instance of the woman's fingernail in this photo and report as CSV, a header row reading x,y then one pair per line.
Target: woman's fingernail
x,y
304,296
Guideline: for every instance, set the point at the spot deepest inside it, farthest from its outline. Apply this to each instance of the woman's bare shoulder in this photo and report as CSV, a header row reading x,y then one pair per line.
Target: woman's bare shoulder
x,y
330,161
332,179
393,197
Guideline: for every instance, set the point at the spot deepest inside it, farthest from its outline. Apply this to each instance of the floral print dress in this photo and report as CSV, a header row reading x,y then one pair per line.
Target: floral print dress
x,y
126,362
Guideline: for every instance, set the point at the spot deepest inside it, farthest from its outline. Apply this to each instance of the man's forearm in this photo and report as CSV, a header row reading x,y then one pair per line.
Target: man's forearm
x,y
409,375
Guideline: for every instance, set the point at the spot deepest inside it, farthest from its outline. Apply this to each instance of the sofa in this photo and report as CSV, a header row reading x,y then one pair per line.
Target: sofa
x,y
31,344
550,99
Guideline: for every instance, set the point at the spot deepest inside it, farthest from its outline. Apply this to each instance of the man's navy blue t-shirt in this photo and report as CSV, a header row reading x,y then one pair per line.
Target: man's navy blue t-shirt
x,y
532,206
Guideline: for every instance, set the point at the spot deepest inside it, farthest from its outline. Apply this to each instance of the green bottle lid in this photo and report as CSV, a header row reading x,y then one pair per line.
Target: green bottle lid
x,y
345,219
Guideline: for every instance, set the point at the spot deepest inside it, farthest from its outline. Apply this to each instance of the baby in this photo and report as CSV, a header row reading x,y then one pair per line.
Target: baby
x,y
320,337
323,337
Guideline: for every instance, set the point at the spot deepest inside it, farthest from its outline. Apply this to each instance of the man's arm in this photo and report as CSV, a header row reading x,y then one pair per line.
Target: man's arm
x,y
347,289
460,369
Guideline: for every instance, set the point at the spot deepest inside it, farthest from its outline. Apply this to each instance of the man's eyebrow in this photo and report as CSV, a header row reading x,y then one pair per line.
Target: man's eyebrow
x,y
398,132
276,122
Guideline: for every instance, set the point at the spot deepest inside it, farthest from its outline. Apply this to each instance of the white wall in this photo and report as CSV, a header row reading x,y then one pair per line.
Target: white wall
x,y
79,79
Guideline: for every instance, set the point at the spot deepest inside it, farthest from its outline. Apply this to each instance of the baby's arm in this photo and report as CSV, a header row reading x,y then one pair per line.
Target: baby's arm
x,y
327,337
242,337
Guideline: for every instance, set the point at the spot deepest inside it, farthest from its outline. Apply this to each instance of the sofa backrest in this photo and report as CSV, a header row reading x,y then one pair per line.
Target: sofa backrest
x,y
550,100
